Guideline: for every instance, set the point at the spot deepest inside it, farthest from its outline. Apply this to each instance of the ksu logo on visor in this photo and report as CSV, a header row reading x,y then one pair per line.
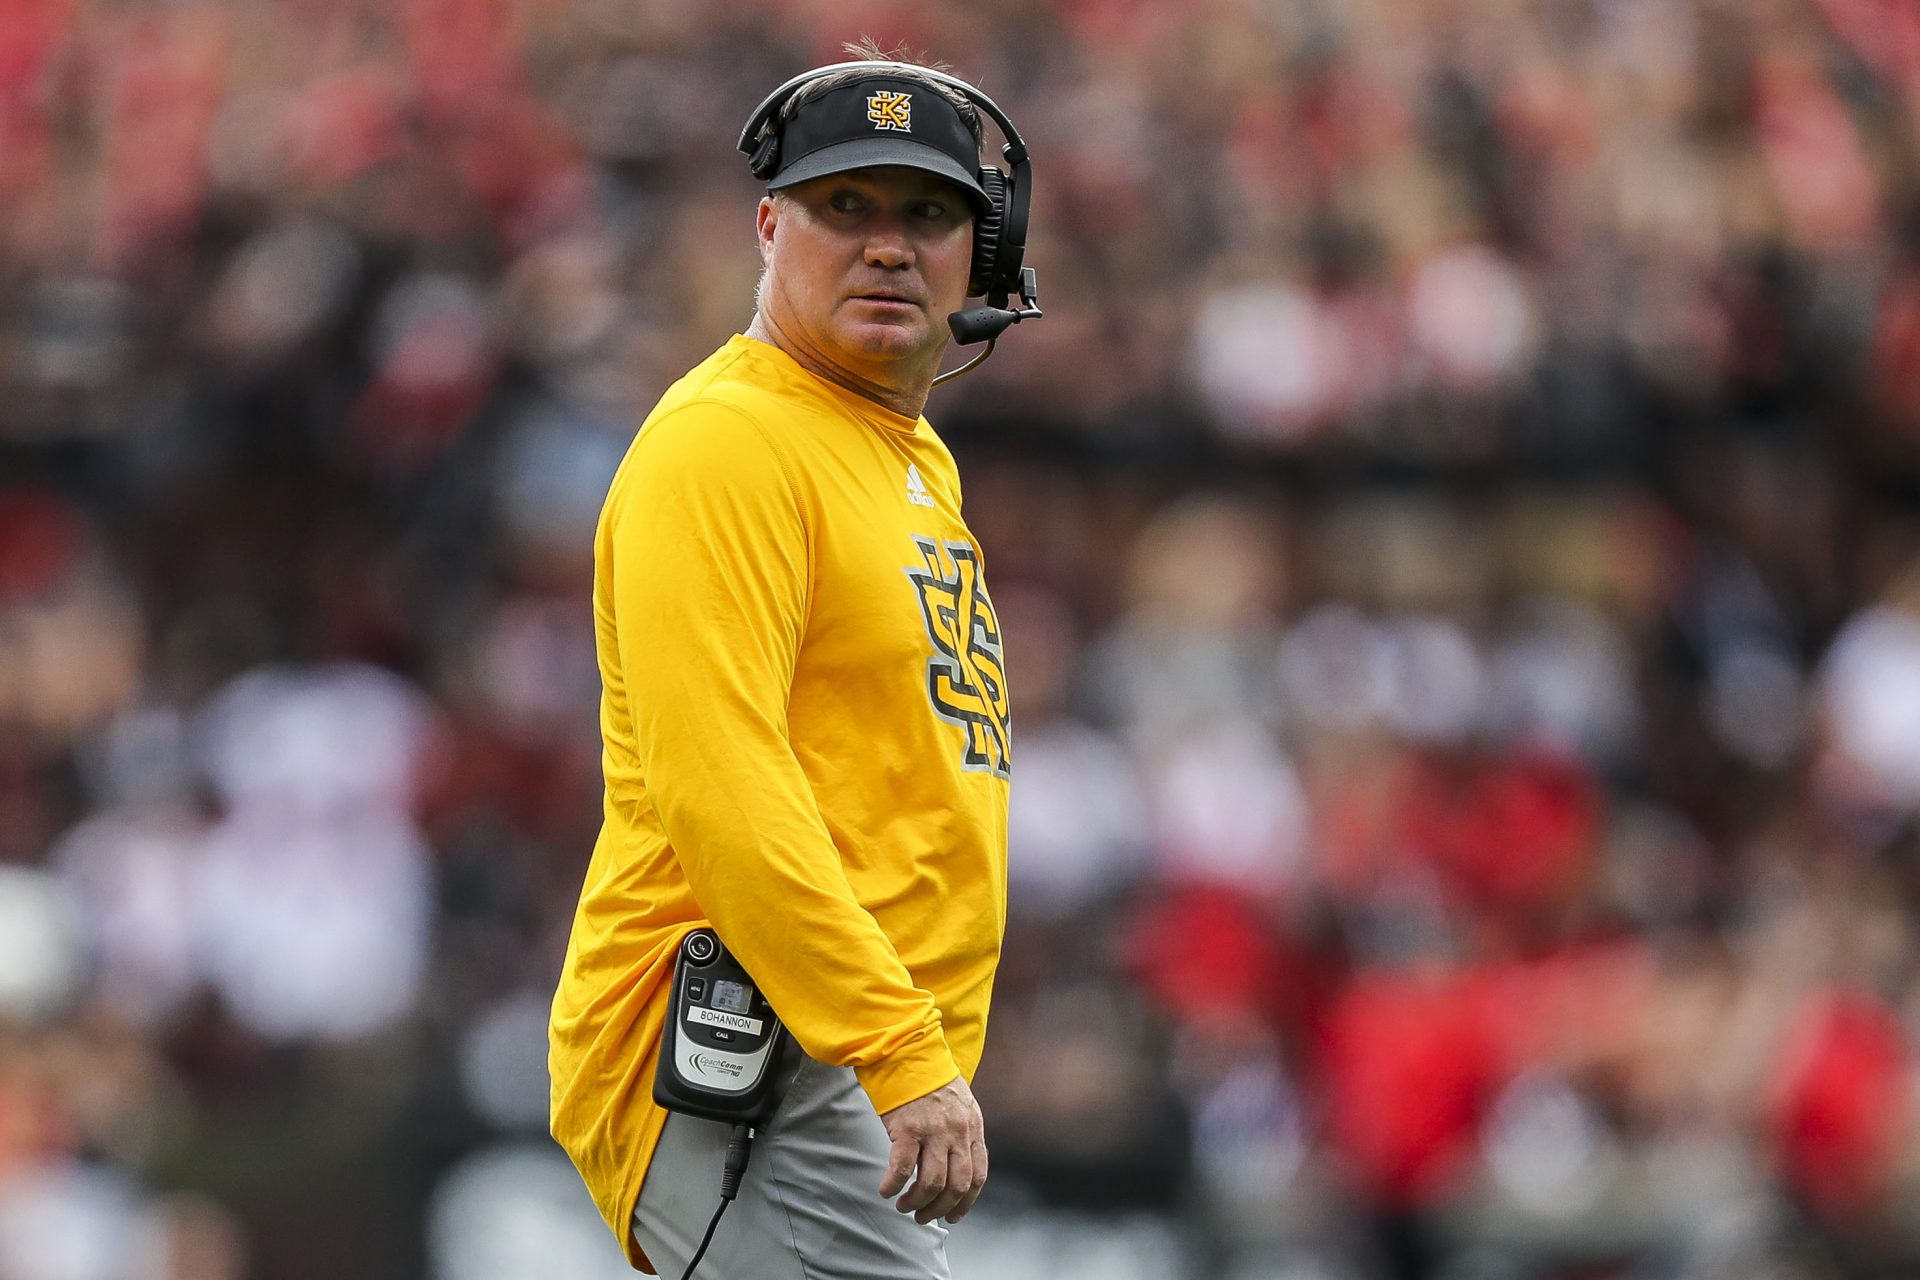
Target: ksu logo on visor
x,y
891,111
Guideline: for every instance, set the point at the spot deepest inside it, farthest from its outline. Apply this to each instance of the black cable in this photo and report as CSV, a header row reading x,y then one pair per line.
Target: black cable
x,y
705,1240
739,1151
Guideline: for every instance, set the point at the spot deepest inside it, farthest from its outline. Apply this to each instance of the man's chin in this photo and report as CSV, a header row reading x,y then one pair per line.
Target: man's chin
x,y
890,339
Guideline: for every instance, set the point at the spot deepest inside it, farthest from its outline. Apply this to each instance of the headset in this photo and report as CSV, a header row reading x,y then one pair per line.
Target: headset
x,y
999,231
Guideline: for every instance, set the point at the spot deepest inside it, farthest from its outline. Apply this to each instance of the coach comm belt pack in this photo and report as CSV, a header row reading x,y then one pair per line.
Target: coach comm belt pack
x,y
720,1057
722,1043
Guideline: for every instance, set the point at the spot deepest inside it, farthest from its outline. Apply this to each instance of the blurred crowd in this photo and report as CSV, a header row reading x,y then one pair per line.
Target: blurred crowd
x,y
1457,530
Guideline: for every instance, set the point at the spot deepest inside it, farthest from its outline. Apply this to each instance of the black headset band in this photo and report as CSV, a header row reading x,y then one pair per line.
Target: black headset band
x,y
1014,153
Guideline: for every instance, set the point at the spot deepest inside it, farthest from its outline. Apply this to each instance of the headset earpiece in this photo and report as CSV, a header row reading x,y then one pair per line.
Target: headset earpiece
x,y
987,227
766,156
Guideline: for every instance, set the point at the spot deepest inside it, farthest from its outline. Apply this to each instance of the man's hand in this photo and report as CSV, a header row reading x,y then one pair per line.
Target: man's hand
x,y
943,1136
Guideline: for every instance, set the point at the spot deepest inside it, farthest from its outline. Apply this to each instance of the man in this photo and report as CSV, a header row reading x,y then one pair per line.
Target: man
x,y
805,728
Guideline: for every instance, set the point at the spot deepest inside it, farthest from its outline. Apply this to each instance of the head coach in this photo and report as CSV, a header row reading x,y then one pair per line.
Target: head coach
x,y
804,710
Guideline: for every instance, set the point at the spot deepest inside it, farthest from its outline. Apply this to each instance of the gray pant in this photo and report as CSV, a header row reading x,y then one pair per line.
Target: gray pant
x,y
809,1207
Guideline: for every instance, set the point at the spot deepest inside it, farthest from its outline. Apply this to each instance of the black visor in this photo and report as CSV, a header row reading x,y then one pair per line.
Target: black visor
x,y
874,122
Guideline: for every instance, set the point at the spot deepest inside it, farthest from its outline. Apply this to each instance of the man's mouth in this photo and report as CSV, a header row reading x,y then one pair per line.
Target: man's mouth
x,y
881,295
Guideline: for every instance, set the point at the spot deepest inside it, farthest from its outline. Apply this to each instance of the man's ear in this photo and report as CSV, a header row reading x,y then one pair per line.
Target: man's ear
x,y
765,219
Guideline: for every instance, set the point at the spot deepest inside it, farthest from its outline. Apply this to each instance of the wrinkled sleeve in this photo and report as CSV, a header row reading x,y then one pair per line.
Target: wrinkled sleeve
x,y
711,584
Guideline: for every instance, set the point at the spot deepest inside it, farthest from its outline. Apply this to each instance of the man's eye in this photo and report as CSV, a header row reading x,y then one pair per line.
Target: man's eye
x,y
929,209
844,201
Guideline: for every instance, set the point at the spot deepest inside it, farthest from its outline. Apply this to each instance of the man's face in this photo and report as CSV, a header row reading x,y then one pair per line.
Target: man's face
x,y
863,267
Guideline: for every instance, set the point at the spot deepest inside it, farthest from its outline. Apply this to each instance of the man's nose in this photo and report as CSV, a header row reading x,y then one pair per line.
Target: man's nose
x,y
888,244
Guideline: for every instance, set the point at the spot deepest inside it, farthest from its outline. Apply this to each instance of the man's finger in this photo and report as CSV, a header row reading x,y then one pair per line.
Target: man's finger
x,y
967,1202
929,1182
959,1182
979,1184
900,1162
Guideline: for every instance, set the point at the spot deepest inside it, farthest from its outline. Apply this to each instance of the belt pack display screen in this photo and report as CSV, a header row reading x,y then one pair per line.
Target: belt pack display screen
x,y
731,996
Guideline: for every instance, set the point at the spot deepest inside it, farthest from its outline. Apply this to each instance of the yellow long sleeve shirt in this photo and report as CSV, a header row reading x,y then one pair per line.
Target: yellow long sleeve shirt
x,y
805,744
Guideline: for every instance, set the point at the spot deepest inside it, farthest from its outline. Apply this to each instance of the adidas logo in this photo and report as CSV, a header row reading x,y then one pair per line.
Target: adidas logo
x,y
917,489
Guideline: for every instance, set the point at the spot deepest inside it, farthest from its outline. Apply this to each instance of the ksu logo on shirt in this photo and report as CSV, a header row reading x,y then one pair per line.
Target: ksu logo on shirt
x,y
917,488
966,674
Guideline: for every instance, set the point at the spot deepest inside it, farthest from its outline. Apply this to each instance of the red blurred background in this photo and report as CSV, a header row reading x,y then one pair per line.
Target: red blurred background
x,y
1457,529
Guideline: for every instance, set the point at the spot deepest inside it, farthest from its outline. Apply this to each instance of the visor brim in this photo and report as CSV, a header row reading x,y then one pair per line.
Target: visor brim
x,y
868,153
